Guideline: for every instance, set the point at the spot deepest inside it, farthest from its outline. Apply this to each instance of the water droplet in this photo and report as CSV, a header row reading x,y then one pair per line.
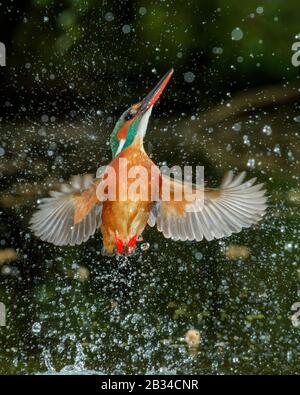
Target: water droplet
x,y
109,16
246,140
36,328
290,155
237,34
288,247
267,130
237,127
277,149
198,256
126,29
145,246
142,11
217,50
297,118
251,163
289,356
189,76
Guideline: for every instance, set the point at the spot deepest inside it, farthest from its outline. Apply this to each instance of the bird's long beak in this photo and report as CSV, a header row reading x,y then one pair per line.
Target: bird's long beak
x,y
154,95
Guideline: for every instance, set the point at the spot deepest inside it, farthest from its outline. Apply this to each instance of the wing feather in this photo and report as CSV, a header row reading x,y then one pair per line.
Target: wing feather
x,y
54,221
237,204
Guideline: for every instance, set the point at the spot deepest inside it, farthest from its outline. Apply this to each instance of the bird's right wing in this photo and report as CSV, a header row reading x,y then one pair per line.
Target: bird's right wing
x,y
69,216
216,213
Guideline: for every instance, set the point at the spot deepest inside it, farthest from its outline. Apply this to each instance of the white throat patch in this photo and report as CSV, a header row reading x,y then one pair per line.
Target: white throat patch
x,y
144,123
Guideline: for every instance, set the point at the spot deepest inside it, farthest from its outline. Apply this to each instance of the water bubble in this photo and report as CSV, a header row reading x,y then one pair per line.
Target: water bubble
x,y
126,29
260,10
240,59
5,270
267,130
237,34
47,359
246,140
217,50
297,118
42,132
288,247
198,256
189,76
251,163
80,357
277,149
289,356
290,155
142,11
36,328
145,246
237,127
109,16
45,118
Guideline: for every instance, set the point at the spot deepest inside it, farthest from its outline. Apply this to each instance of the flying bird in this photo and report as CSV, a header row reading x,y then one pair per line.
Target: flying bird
x,y
74,213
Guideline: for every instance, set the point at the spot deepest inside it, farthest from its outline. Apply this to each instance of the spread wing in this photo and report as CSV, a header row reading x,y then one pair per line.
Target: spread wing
x,y
215,213
69,216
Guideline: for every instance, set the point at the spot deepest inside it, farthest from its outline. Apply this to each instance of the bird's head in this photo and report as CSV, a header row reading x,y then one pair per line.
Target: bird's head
x,y
133,122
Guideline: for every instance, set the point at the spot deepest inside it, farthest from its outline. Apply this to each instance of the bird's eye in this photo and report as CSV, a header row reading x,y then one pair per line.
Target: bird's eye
x,y
128,116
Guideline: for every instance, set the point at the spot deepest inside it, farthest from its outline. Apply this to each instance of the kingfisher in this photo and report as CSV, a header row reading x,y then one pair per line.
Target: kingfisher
x,y
72,214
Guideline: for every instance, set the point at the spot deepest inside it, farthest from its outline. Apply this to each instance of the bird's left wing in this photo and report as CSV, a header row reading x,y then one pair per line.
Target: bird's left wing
x,y
214,213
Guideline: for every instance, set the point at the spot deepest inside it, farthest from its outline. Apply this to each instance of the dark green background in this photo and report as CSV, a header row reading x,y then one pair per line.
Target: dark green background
x,y
71,71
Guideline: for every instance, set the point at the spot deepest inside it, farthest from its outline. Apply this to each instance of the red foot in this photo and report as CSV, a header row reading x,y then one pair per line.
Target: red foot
x,y
132,242
119,245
